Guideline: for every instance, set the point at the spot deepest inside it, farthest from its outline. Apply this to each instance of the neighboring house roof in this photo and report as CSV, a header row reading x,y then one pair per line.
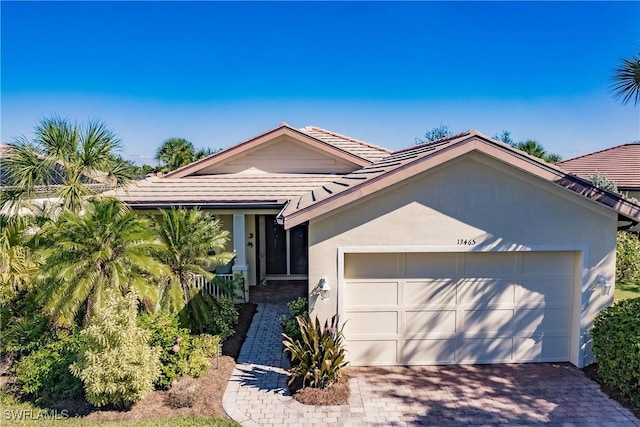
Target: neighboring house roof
x,y
620,164
406,163
351,150
362,149
243,189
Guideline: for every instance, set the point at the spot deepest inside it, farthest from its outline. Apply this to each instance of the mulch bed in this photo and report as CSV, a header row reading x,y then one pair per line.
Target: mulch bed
x,y
231,347
336,394
591,372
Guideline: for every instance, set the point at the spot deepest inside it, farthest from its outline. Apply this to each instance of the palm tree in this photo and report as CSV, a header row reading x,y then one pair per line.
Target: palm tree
x,y
626,80
17,261
534,148
106,247
175,153
193,243
65,158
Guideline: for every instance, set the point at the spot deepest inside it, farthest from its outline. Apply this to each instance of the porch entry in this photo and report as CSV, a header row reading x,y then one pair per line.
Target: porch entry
x,y
282,254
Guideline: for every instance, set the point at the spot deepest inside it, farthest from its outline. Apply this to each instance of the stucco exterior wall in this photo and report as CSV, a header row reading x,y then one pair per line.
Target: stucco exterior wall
x,y
473,197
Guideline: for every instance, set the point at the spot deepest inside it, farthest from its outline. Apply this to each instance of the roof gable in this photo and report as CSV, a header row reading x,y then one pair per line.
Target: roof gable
x,y
406,163
620,164
341,153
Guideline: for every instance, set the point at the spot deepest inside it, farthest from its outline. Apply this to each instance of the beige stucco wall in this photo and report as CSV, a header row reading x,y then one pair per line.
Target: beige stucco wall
x,y
473,197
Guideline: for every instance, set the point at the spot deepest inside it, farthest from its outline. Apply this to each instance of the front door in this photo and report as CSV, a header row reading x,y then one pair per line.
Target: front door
x,y
282,253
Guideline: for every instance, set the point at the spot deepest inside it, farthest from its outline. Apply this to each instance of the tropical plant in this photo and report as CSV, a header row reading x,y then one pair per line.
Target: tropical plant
x,y
318,358
17,261
626,80
534,148
45,373
616,344
64,158
193,243
434,134
297,307
116,364
107,247
175,153
180,352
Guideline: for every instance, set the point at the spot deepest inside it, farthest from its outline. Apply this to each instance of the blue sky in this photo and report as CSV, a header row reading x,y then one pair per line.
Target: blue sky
x,y
217,73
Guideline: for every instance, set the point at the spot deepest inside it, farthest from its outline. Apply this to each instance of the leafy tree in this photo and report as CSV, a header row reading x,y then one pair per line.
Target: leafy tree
x,y
434,134
626,80
601,181
85,255
193,242
505,137
64,157
175,153
117,365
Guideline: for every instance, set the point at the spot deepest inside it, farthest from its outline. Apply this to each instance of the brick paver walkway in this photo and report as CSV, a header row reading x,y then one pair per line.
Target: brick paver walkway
x,y
509,395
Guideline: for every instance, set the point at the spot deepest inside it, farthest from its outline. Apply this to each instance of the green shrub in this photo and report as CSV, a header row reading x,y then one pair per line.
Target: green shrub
x,y
45,372
319,356
209,345
616,344
117,365
297,307
627,257
225,318
180,353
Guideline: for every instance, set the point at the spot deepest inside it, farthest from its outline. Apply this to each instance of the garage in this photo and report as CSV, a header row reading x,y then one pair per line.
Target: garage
x,y
416,308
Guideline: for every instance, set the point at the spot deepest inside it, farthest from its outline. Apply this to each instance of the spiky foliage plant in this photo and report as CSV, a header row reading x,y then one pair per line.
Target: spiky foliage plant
x,y
318,358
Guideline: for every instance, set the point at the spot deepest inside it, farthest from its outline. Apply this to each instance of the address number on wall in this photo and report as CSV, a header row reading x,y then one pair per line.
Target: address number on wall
x,y
466,242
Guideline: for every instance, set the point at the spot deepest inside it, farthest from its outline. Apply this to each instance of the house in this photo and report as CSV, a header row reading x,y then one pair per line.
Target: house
x,y
620,164
461,250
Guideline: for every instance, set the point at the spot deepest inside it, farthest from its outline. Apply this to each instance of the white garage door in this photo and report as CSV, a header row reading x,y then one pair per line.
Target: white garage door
x,y
439,308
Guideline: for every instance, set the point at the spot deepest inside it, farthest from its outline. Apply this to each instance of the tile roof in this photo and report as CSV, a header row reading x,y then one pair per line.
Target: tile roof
x,y
367,151
405,163
227,189
619,164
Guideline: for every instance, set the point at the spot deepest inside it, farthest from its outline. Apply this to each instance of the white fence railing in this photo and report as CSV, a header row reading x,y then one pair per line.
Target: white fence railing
x,y
223,285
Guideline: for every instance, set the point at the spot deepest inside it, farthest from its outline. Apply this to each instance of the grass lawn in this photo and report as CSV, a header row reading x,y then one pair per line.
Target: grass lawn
x,y
25,414
626,290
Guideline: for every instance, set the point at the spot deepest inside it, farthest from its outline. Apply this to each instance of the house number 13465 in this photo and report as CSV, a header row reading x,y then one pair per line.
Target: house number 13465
x,y
466,242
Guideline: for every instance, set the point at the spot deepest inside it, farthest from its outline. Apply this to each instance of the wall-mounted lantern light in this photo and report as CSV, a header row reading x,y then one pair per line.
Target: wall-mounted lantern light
x,y
324,289
604,283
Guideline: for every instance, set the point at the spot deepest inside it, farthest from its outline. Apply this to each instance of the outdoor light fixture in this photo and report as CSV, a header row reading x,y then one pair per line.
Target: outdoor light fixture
x,y
323,289
605,285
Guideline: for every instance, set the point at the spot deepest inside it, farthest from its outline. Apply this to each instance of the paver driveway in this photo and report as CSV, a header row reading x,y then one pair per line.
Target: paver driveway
x,y
526,394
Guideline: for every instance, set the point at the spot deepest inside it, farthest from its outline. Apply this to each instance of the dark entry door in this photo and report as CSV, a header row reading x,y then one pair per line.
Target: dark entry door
x,y
275,245
298,251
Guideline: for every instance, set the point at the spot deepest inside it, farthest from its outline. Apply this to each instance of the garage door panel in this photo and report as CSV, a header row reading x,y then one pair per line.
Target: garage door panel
x,y
371,266
552,321
486,291
479,350
429,351
430,322
419,265
373,352
430,292
371,322
488,321
372,293
556,265
544,291
542,349
489,264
